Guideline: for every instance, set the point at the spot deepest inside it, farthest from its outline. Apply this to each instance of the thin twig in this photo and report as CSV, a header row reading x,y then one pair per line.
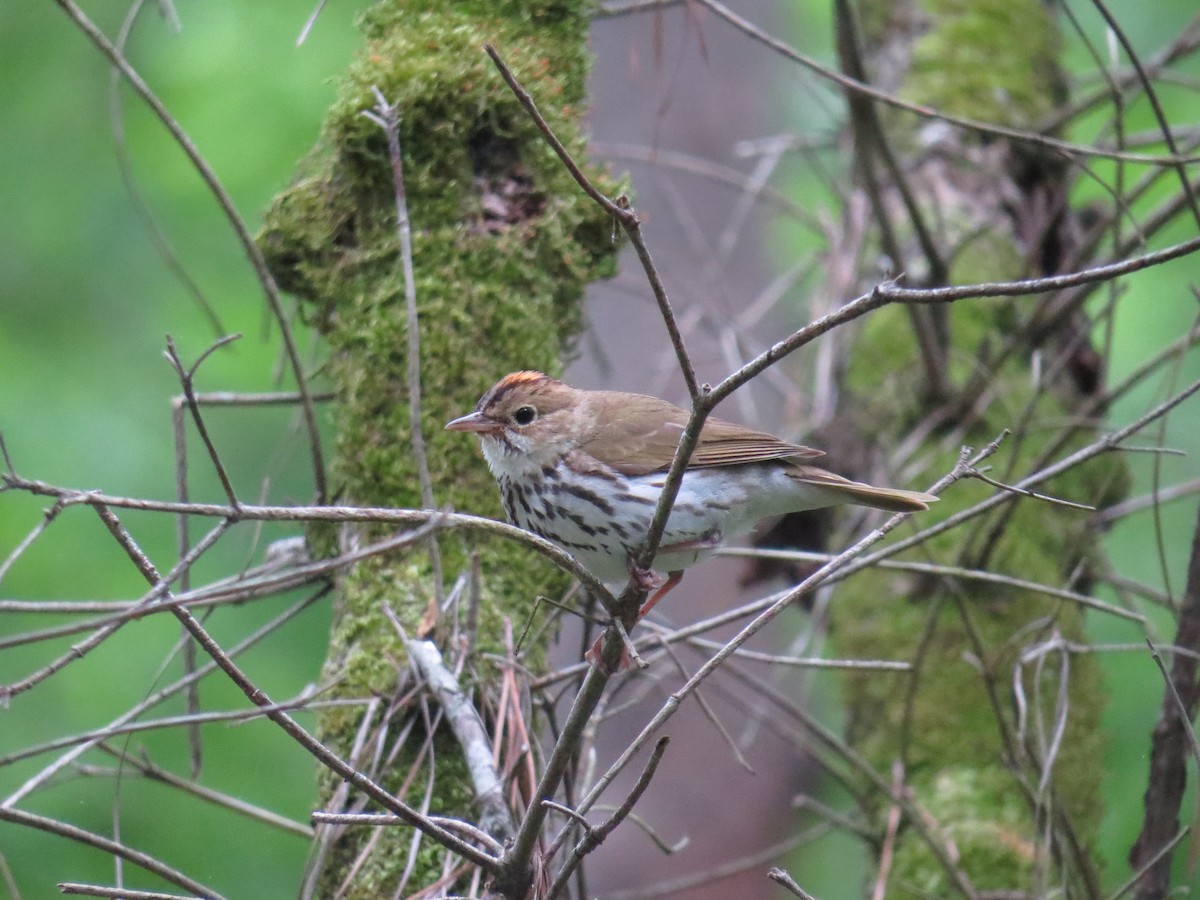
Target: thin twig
x,y
26,542
121,893
1181,708
1163,852
709,712
775,659
260,699
186,378
620,210
1056,501
310,22
780,877
109,846
257,261
387,117
593,837
8,463
183,545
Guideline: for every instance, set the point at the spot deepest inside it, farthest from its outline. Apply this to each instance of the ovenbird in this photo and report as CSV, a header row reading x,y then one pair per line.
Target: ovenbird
x,y
585,469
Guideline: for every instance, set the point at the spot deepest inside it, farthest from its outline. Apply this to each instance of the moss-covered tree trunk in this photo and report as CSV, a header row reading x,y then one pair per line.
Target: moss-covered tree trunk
x,y
503,245
1015,807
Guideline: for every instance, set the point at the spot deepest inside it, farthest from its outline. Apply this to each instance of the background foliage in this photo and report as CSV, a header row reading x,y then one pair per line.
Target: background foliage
x,y
85,301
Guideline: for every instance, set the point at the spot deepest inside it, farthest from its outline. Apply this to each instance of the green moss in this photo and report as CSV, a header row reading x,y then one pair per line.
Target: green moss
x,y
504,243
967,64
996,848
959,633
991,60
389,859
946,717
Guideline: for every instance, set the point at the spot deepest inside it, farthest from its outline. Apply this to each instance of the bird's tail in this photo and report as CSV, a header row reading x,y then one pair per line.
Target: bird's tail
x,y
890,499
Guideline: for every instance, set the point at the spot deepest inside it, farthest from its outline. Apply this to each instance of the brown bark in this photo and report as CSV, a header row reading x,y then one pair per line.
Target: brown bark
x,y
1171,743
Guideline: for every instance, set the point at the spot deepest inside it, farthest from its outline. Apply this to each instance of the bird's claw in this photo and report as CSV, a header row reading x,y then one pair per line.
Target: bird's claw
x,y
643,579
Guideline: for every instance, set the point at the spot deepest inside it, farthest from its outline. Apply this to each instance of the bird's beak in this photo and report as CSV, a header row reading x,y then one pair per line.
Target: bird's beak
x,y
476,422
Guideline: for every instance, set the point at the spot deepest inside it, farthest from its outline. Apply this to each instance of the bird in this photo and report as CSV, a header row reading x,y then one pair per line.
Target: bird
x,y
585,470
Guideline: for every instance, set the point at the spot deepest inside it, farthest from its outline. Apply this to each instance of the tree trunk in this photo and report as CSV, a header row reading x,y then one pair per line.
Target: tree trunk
x,y
1008,797
504,243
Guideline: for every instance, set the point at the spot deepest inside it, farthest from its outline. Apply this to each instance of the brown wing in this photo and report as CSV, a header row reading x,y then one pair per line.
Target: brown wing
x,y
641,433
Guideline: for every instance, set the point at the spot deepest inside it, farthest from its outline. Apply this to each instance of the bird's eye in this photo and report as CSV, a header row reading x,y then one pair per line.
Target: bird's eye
x,y
524,415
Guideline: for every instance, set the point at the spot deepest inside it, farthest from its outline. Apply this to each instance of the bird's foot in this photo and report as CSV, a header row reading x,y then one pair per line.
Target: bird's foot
x,y
673,579
629,654
643,579
593,655
647,579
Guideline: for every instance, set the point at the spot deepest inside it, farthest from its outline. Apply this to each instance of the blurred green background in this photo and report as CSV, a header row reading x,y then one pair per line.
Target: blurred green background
x,y
85,302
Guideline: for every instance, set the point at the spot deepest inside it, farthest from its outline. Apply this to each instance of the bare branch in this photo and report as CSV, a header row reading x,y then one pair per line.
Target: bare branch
x,y
470,731
1172,736
259,698
780,877
439,520
387,117
114,848
95,890
270,290
515,872
594,837
186,377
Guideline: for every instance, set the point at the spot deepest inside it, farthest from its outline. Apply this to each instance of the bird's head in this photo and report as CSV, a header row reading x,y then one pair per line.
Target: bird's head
x,y
525,421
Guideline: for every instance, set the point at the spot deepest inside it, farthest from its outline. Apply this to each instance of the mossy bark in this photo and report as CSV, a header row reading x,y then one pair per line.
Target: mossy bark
x,y
503,245
998,211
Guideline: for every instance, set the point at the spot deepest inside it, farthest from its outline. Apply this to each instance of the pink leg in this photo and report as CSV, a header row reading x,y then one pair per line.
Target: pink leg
x,y
673,578
645,579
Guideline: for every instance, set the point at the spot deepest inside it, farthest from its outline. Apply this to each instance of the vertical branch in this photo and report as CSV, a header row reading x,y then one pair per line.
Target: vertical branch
x,y
622,212
186,380
387,117
1170,743
182,547
516,870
